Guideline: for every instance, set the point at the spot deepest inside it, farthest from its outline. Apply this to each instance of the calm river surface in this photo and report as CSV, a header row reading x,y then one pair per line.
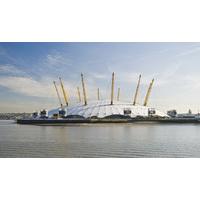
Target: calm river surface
x,y
97,140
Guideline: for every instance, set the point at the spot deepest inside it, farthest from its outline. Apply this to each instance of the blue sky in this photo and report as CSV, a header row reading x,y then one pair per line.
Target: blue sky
x,y
28,69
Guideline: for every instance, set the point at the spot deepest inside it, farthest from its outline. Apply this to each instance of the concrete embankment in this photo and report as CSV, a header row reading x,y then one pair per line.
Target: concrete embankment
x,y
75,121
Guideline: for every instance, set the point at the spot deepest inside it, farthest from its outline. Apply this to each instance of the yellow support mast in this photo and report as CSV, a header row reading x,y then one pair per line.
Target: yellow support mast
x,y
148,93
98,95
64,92
112,88
61,105
84,92
79,94
136,91
118,94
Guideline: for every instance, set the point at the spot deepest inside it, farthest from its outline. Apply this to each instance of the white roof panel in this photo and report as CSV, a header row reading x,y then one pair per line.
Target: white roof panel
x,y
103,108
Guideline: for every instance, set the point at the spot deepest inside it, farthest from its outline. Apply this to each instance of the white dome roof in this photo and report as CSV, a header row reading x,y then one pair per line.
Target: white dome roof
x,y
103,109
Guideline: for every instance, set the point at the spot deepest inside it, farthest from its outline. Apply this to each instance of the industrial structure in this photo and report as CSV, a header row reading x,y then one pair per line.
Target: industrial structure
x,y
104,109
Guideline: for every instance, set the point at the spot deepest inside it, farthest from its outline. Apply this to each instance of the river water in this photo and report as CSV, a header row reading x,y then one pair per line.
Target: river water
x,y
98,140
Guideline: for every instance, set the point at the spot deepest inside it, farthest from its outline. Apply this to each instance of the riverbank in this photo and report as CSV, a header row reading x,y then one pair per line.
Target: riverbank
x,y
63,121
13,116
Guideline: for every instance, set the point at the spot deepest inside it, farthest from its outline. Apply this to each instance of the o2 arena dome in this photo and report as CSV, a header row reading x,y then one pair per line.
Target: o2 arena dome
x,y
104,109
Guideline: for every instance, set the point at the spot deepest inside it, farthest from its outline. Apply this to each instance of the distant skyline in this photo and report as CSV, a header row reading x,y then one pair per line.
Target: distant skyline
x,y
27,72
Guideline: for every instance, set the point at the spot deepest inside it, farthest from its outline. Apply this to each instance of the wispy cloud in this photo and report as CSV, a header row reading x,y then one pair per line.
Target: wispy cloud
x,y
18,81
192,50
54,64
99,75
168,64
11,70
27,86
57,59
6,56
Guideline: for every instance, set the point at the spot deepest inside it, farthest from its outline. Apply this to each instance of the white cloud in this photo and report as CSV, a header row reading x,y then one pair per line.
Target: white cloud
x,y
28,86
99,75
38,88
18,81
194,49
11,70
57,59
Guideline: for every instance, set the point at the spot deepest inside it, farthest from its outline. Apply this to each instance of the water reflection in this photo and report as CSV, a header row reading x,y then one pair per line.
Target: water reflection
x,y
98,140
